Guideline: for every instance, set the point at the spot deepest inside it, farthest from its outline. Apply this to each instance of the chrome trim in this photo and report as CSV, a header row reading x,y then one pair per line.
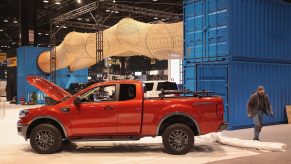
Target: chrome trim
x,y
23,130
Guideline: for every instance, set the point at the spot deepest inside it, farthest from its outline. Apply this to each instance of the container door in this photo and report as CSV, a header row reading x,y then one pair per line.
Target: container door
x,y
214,77
206,30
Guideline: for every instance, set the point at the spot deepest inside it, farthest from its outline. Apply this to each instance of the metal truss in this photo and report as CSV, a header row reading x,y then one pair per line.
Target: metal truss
x,y
81,25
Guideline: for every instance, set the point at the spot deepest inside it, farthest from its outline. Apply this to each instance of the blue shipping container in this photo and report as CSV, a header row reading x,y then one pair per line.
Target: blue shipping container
x,y
233,46
221,30
236,81
27,65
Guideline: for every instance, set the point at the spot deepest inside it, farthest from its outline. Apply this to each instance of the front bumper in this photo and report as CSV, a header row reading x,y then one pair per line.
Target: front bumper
x,y
223,126
22,129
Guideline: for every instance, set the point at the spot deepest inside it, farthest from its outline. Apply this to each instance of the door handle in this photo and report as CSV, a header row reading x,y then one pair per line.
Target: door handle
x,y
108,108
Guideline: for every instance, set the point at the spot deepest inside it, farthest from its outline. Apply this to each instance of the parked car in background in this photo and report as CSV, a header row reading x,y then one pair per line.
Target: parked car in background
x,y
154,88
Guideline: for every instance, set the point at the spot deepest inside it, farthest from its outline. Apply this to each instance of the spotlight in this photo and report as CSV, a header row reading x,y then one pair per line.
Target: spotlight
x,y
1,30
5,20
45,1
57,3
79,1
156,18
79,19
15,21
107,10
65,27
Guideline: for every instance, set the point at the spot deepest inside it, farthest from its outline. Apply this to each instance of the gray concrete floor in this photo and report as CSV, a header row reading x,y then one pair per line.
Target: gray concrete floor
x,y
14,149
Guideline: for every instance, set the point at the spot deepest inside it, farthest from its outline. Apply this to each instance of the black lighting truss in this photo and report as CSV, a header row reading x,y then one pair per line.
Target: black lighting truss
x,y
62,20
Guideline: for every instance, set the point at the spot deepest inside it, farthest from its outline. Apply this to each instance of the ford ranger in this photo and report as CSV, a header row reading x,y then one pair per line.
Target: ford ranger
x,y
117,110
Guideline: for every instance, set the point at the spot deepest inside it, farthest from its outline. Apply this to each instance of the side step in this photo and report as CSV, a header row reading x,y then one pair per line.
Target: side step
x,y
107,138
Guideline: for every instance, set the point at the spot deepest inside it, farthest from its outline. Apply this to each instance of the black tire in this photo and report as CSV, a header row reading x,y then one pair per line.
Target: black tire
x,y
178,139
45,139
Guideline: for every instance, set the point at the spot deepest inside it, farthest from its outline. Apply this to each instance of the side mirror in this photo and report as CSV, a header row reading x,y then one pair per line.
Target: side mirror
x,y
77,101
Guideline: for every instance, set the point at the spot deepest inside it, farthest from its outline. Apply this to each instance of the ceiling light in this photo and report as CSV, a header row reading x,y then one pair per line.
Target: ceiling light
x,y
57,3
15,21
45,1
87,20
156,18
1,30
47,34
5,20
155,0
8,46
107,10
13,43
2,46
39,33
113,1
57,26
79,1
79,19
116,12
65,27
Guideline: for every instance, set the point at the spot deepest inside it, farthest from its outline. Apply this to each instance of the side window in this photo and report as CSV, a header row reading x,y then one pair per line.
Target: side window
x,y
167,86
127,92
149,86
100,93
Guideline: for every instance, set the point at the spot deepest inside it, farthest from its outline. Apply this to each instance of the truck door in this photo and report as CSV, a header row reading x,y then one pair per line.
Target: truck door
x,y
97,114
130,110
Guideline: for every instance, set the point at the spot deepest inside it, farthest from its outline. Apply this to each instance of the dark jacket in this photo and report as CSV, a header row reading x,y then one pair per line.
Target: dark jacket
x,y
253,105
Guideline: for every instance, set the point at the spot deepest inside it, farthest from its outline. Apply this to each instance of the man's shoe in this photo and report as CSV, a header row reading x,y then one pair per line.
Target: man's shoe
x,y
256,139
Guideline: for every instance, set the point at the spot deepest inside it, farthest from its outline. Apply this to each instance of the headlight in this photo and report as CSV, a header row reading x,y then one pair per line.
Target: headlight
x,y
23,113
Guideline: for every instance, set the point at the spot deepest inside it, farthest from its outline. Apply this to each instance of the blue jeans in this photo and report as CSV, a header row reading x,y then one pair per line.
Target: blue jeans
x,y
258,121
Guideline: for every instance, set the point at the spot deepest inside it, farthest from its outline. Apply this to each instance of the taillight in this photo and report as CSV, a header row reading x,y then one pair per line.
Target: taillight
x,y
219,110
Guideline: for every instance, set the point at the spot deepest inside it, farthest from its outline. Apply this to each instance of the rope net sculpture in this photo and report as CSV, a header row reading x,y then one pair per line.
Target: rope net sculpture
x,y
127,38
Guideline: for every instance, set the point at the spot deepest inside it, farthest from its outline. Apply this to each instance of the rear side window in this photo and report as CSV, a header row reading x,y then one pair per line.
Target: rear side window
x,y
127,92
167,86
149,86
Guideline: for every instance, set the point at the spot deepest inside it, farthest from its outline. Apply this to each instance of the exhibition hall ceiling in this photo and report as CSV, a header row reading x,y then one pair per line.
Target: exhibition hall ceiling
x,y
48,9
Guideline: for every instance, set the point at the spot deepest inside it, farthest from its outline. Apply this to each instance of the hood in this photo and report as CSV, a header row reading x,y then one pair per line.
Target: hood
x,y
52,90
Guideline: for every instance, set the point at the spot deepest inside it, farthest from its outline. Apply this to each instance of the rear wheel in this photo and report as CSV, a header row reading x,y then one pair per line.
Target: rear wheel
x,y
45,139
178,139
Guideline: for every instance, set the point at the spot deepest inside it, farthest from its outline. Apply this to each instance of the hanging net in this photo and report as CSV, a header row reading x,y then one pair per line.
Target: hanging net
x,y
127,38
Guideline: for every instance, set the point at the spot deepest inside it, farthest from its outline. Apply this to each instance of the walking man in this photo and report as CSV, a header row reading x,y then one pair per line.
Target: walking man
x,y
259,105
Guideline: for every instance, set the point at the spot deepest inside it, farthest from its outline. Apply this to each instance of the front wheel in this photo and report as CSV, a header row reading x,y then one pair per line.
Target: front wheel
x,y
178,139
45,139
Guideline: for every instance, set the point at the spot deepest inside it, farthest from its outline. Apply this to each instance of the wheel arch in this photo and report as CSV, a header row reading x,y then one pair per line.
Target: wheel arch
x,y
181,117
46,119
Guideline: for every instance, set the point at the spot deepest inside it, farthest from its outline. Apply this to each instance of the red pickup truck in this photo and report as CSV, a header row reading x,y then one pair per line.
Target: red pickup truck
x,y
117,110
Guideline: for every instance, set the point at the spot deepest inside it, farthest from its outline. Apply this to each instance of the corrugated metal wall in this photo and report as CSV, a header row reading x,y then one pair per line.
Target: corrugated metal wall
x,y
232,46
245,77
26,65
260,29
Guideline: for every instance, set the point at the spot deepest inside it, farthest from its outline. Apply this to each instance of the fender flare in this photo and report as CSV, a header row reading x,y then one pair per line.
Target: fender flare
x,y
52,118
177,114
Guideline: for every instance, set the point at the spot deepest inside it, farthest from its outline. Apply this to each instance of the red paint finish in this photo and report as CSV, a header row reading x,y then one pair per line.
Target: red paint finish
x,y
134,117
